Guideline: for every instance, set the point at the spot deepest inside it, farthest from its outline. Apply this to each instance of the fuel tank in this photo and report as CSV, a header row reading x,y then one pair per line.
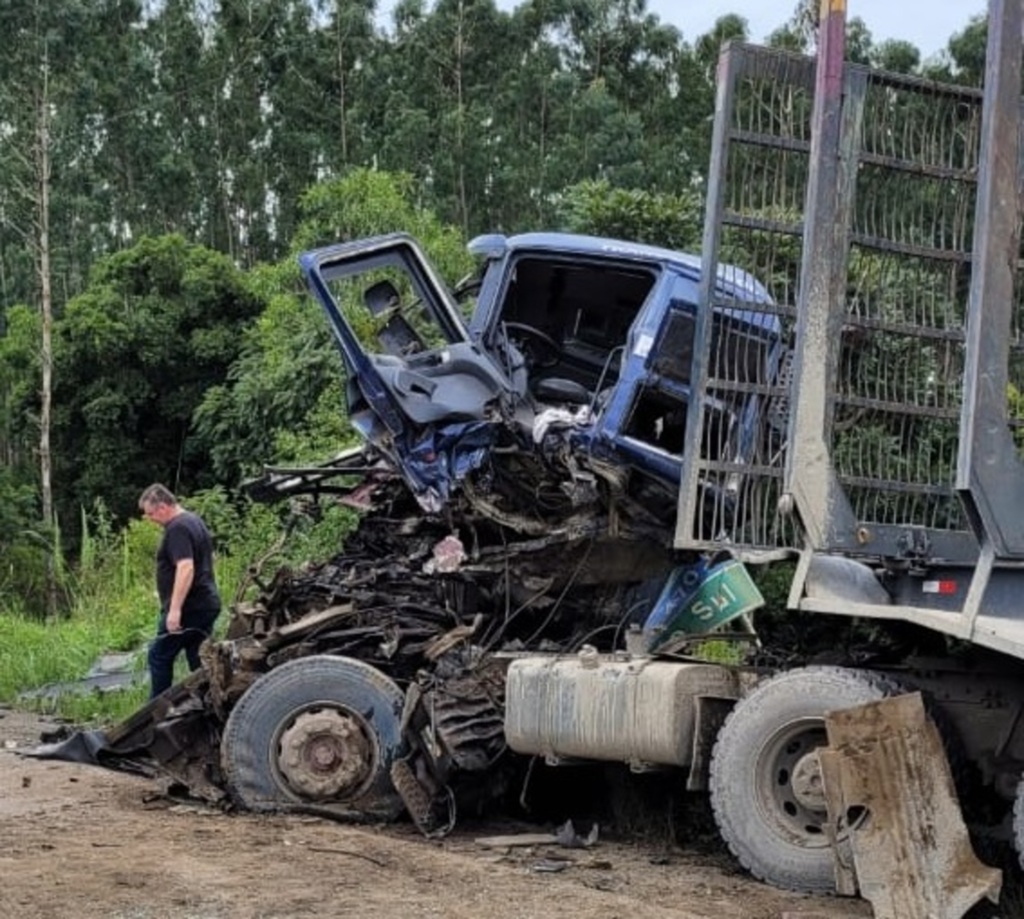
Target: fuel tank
x,y
633,710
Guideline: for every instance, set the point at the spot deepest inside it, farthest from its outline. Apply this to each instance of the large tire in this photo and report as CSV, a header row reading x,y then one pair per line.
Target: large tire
x,y
765,783
316,732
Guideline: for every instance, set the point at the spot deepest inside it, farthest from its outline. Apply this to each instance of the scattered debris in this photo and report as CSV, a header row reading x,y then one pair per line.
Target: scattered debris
x,y
570,839
551,865
366,858
519,840
565,836
60,733
111,671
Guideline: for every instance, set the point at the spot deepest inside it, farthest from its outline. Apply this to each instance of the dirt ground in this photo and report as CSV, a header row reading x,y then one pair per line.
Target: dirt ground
x,y
78,841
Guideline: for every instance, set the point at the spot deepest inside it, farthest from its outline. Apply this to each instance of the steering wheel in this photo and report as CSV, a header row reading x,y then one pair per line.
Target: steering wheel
x,y
540,348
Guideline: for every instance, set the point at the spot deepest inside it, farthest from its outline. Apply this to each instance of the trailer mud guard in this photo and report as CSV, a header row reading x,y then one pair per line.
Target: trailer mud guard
x,y
890,795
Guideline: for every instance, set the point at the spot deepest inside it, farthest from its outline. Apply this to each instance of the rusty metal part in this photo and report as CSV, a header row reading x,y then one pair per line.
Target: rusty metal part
x,y
231,668
890,791
321,619
176,733
417,799
467,715
806,783
325,754
444,643
575,527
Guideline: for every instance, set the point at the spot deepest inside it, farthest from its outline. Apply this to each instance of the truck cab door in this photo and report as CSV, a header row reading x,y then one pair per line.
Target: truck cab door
x,y
645,421
403,339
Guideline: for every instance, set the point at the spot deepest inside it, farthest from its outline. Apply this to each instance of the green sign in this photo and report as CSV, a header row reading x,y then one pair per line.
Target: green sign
x,y
719,596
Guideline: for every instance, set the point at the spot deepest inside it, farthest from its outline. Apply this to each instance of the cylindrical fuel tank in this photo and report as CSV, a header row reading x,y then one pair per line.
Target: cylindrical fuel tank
x,y
609,708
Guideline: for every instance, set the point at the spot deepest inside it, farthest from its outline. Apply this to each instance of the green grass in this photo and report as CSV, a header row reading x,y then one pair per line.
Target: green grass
x,y
35,653
112,604
99,709
720,651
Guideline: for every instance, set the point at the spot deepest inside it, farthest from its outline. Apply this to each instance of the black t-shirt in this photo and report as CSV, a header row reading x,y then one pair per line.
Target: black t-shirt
x,y
186,536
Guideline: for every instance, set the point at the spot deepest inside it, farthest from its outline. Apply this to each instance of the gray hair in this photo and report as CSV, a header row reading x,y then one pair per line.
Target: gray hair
x,y
157,494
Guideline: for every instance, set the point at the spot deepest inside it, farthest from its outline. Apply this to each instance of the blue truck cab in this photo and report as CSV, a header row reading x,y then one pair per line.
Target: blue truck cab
x,y
572,343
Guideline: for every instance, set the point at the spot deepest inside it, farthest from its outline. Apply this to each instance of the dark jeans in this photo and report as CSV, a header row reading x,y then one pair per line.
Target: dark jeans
x,y
196,628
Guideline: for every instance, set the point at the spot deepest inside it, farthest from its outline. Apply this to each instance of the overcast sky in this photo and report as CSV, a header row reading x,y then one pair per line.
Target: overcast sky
x,y
928,24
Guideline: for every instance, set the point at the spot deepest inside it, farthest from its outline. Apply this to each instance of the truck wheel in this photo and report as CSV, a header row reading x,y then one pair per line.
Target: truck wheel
x,y
765,778
318,731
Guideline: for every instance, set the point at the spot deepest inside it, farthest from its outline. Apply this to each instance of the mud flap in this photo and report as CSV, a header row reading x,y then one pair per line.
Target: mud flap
x,y
894,811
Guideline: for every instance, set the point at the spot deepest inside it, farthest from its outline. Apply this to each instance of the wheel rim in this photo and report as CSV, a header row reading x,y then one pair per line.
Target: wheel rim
x,y
788,783
325,753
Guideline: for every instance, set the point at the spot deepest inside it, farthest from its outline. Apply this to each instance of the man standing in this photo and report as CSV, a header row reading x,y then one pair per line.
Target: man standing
x,y
189,601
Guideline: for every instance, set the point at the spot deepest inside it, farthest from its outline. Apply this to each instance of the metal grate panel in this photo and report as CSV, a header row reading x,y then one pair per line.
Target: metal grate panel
x,y
898,390
756,197
892,361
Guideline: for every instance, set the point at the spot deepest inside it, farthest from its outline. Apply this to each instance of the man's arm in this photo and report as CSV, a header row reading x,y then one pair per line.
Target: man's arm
x,y
184,573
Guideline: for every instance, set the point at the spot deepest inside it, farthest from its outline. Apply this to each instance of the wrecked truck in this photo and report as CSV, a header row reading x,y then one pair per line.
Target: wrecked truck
x,y
567,470
512,581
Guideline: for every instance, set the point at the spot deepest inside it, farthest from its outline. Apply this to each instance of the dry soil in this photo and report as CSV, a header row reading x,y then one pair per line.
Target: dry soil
x,y
79,841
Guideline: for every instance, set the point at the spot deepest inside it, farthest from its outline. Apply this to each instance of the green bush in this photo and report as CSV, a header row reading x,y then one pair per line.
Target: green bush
x,y
112,607
113,602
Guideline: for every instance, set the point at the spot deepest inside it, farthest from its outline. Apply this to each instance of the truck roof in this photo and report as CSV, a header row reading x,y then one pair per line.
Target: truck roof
x,y
731,279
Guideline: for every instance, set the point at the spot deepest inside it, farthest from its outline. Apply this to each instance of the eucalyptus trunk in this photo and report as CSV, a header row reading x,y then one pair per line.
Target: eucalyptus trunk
x,y
42,245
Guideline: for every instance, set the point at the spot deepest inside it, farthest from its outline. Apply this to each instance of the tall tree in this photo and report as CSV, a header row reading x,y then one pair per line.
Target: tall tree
x,y
897,56
964,60
178,117
38,70
158,326
709,45
107,193
449,64
350,40
320,108
283,398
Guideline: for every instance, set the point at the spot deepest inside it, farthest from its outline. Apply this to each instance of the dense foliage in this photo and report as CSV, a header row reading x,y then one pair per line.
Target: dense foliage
x,y
191,149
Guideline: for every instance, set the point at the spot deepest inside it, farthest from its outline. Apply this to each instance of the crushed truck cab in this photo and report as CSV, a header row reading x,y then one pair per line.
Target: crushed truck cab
x,y
516,488
576,348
